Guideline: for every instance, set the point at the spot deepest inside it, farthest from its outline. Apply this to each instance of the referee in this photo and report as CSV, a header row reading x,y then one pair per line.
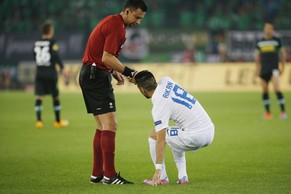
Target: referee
x,y
100,63
269,52
46,81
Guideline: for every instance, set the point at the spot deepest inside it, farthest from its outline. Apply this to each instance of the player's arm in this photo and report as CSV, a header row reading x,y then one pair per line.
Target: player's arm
x,y
283,60
55,49
160,150
160,146
258,63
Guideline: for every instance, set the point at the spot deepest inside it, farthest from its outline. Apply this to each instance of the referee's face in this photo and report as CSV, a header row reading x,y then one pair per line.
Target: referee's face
x,y
134,17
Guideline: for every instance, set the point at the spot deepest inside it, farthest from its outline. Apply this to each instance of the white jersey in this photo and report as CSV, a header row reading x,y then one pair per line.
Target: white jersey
x,y
171,102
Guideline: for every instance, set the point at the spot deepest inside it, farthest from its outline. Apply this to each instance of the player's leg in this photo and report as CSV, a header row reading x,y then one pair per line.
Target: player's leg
x,y
92,101
180,161
53,89
39,92
57,108
265,96
152,147
99,100
57,112
38,110
108,123
175,138
97,171
279,94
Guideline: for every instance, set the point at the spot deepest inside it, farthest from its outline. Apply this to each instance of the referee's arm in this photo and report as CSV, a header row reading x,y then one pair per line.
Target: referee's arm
x,y
55,53
112,61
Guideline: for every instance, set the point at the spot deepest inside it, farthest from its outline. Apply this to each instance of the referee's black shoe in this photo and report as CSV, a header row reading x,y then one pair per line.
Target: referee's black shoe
x,y
95,179
117,180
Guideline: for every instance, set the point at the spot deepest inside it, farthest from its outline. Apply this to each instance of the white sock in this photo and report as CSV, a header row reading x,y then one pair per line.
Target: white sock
x,y
152,144
180,161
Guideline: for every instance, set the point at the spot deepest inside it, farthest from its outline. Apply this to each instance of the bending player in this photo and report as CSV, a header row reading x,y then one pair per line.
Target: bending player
x,y
194,128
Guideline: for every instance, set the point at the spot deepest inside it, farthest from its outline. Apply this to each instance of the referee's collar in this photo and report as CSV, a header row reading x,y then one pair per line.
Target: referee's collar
x,y
120,16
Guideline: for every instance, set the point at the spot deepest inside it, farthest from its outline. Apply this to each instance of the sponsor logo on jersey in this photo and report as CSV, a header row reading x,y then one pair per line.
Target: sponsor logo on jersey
x,y
268,48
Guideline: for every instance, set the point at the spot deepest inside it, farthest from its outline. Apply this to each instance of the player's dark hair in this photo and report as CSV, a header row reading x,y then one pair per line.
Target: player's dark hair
x,y
270,23
135,4
46,28
146,80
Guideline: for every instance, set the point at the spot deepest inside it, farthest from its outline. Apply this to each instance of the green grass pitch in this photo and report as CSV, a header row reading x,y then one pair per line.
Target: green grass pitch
x,y
248,155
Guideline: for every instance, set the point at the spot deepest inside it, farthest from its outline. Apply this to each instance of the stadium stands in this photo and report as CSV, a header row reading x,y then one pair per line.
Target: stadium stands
x,y
82,15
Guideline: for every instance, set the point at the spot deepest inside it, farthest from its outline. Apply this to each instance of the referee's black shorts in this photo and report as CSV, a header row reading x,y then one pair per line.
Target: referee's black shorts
x,y
45,86
98,93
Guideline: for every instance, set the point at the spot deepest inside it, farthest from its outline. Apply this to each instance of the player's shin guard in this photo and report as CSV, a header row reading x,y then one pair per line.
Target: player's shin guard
x,y
152,145
38,109
57,109
97,155
266,102
108,149
180,161
281,101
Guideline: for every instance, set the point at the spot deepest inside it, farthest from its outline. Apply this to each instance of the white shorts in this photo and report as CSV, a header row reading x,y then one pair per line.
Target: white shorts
x,y
187,140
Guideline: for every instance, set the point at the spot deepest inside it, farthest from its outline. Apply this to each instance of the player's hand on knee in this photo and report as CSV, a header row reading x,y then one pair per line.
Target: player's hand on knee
x,y
156,177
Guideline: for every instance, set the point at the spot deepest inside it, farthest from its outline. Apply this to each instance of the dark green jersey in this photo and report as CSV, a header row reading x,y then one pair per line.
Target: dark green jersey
x,y
269,53
46,58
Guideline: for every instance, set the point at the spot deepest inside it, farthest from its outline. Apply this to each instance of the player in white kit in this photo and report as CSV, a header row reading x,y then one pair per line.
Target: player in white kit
x,y
194,128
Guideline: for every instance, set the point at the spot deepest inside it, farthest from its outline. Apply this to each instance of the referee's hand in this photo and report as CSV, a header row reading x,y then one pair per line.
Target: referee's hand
x,y
132,79
119,77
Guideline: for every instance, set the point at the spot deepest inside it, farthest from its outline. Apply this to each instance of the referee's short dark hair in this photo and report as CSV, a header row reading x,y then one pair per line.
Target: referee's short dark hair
x,y
146,80
46,27
136,4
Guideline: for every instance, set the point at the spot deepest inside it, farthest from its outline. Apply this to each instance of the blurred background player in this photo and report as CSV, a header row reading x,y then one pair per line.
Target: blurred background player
x,y
269,52
46,80
194,128
99,62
